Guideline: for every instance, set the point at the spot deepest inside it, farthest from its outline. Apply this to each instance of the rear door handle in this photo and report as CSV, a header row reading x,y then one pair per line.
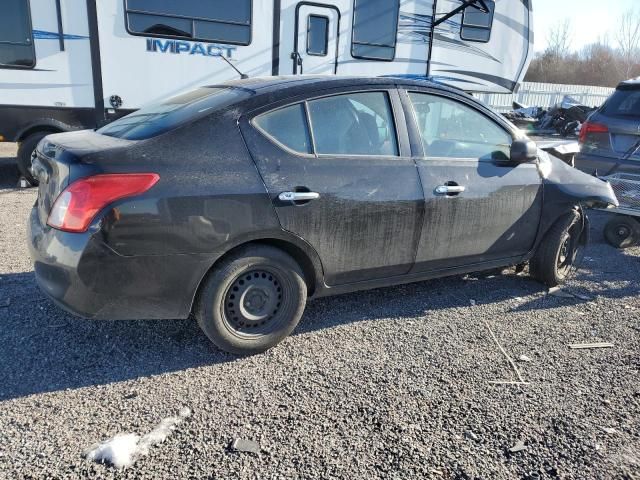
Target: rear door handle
x,y
450,189
298,196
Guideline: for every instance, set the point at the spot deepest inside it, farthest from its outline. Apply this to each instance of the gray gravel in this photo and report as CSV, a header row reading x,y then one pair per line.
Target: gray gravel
x,y
392,383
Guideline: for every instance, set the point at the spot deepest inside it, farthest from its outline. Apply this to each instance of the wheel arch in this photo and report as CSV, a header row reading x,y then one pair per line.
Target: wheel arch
x,y
301,252
48,126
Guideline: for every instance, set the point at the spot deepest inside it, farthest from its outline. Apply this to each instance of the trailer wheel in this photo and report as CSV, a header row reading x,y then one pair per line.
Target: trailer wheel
x,y
622,231
25,151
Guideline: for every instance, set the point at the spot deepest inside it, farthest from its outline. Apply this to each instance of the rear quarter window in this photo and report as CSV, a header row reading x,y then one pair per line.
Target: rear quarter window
x,y
287,126
170,114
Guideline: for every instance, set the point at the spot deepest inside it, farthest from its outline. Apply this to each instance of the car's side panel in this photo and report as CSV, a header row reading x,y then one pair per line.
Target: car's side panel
x,y
366,223
209,193
496,217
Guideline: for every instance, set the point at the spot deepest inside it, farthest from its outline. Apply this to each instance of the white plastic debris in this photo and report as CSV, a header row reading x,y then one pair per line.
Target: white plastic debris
x,y
558,292
524,358
118,451
123,450
472,302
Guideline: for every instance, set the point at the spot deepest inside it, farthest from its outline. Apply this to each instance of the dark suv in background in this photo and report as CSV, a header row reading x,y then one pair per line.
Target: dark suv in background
x,y
610,139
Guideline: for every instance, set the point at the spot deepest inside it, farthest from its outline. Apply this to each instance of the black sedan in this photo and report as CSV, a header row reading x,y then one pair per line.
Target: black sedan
x,y
237,202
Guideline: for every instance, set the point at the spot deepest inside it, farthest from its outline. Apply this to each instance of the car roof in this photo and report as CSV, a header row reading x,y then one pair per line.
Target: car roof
x,y
632,84
261,85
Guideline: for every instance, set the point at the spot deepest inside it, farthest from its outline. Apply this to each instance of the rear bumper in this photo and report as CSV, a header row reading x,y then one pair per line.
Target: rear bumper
x,y
590,164
85,277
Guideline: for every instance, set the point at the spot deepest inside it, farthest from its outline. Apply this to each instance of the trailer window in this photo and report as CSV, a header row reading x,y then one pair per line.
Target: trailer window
x,y
16,37
318,35
202,20
375,28
476,24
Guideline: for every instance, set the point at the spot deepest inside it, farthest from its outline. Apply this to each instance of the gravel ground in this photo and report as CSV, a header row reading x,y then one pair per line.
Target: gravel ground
x,y
392,383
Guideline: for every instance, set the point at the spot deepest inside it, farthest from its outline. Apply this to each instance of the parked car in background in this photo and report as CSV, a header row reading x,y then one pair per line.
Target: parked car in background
x,y
610,139
610,149
238,202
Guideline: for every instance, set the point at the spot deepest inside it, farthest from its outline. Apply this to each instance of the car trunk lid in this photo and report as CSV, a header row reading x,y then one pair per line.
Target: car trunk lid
x,y
63,158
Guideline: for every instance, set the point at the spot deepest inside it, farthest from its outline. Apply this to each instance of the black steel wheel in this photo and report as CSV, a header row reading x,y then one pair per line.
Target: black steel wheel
x,y
622,231
252,300
559,251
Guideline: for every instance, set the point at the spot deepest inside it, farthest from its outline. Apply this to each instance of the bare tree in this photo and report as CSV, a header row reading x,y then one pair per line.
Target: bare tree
x,y
628,40
559,39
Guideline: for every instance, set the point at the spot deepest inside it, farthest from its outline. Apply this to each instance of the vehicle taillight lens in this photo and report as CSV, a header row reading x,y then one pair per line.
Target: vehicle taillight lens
x,y
79,203
590,127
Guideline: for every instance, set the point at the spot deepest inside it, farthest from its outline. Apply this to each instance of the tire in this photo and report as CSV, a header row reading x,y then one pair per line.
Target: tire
x,y
622,231
252,300
26,149
555,258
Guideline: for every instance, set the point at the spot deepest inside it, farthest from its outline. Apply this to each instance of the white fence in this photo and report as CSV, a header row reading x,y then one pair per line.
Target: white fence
x,y
546,95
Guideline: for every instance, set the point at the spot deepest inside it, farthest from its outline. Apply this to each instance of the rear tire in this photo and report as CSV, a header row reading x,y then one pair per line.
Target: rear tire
x,y
555,258
252,300
25,151
622,231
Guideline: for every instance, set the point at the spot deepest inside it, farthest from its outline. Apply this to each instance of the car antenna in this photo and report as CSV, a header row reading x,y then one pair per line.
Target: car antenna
x,y
243,76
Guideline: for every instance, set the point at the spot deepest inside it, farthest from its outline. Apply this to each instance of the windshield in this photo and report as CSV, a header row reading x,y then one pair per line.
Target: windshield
x,y
623,103
159,118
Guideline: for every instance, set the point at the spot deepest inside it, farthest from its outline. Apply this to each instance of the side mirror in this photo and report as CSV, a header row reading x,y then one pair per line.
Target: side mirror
x,y
523,151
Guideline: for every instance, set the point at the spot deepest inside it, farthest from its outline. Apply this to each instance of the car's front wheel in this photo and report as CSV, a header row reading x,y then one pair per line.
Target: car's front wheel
x,y
558,252
252,300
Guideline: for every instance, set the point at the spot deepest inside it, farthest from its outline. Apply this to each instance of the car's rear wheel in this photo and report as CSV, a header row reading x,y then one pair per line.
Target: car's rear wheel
x,y
622,231
559,251
25,152
252,300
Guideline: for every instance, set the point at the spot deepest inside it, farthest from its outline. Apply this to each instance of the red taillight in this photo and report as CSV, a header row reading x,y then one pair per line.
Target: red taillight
x,y
590,127
79,203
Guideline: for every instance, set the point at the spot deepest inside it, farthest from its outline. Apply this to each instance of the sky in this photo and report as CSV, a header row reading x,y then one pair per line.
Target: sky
x,y
590,18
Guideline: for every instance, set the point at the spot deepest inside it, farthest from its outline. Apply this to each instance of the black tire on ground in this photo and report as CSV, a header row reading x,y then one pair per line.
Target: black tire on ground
x,y
26,149
555,258
622,231
252,300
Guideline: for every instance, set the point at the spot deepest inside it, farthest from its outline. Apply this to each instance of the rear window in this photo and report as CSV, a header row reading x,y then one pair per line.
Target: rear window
x,y
161,117
623,103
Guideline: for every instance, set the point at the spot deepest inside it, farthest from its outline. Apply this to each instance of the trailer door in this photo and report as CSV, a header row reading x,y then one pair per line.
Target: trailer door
x,y
316,39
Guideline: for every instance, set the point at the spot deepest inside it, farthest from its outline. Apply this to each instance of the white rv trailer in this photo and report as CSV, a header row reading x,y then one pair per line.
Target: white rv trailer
x,y
70,64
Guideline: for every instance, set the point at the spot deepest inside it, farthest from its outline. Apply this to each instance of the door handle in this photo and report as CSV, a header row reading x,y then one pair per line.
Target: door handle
x,y
298,196
450,189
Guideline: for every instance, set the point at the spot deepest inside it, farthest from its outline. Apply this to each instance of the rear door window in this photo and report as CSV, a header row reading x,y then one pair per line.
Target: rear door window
x,y
451,129
353,124
623,104
16,37
287,126
172,113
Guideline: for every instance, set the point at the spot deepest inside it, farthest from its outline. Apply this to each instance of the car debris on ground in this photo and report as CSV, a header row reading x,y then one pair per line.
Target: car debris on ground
x,y
565,118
